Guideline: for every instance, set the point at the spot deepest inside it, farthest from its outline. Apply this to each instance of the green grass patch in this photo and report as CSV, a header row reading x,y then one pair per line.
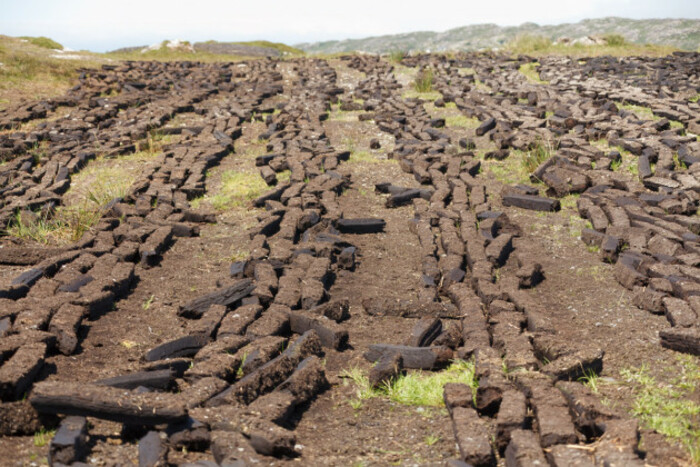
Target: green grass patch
x,y
529,70
665,405
415,388
679,165
426,388
461,121
91,190
569,201
424,81
537,45
509,171
695,98
541,151
643,113
357,157
279,46
43,437
397,55
413,94
528,44
43,42
284,176
237,189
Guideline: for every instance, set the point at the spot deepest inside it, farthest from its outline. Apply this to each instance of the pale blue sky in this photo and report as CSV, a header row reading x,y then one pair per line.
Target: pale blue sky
x,y
100,25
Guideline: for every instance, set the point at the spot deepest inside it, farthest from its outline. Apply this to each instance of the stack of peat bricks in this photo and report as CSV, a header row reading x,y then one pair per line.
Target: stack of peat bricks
x,y
251,360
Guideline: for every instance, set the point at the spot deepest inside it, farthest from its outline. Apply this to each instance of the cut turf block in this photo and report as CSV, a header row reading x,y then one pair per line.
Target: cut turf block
x,y
152,450
226,296
535,203
472,436
685,340
524,450
423,358
17,374
424,332
388,368
69,443
360,226
331,334
89,400
186,346
160,379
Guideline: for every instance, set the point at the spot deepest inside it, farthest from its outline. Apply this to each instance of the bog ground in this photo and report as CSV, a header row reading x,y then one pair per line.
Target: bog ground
x,y
421,260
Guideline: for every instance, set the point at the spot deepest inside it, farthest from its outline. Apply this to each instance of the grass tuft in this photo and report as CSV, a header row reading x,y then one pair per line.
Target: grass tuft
x,y
415,388
237,190
43,437
543,150
424,81
529,70
529,43
358,157
426,388
667,406
397,55
461,121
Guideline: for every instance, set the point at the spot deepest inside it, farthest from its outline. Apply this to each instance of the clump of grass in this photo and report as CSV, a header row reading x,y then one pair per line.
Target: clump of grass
x,y
426,388
591,379
148,302
615,40
510,170
42,437
91,190
284,176
357,157
361,381
640,111
569,201
678,164
39,230
239,372
237,189
542,150
415,388
424,81
529,43
529,70
397,55
44,42
667,406
695,98
461,121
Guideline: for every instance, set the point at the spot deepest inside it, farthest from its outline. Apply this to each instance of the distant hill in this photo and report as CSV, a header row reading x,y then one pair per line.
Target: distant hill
x,y
245,49
680,33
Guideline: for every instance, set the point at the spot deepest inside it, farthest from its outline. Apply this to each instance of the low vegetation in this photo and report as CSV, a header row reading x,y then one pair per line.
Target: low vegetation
x,y
30,71
666,404
237,189
42,438
44,42
529,70
616,45
414,388
102,181
541,151
424,81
